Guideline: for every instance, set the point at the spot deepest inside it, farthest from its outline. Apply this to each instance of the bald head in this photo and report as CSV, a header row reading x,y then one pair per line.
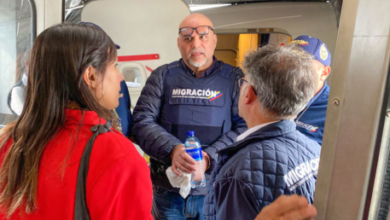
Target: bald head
x,y
194,20
197,42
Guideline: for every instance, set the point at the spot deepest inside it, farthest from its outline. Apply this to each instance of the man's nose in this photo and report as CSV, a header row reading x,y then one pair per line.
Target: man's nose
x,y
196,42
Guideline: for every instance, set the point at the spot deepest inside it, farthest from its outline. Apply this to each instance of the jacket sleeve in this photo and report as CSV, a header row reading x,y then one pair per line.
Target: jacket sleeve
x,y
235,200
123,191
150,136
130,114
238,127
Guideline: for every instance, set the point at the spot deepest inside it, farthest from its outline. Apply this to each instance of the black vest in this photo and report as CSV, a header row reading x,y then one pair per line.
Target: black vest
x,y
195,104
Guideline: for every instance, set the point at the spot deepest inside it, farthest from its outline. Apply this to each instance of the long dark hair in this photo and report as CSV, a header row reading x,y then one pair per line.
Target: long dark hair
x,y
59,57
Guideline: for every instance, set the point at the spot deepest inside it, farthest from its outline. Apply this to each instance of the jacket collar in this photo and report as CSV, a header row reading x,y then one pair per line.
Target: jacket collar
x,y
270,131
324,89
87,117
215,66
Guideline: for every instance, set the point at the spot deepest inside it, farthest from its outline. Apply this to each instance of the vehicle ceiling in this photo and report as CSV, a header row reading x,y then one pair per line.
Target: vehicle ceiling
x,y
73,11
74,7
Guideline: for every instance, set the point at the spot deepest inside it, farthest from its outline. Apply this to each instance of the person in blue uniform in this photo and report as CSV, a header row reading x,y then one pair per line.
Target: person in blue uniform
x,y
123,112
196,93
311,120
272,158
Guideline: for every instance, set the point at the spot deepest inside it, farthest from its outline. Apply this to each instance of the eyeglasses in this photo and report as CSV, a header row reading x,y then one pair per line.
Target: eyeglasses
x,y
241,82
201,30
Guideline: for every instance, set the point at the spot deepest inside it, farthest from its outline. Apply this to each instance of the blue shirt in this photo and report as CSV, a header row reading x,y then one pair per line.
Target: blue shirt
x,y
311,120
123,112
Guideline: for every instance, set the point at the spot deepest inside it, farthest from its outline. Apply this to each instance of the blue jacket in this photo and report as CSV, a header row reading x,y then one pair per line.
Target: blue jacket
x,y
311,120
162,101
123,112
253,172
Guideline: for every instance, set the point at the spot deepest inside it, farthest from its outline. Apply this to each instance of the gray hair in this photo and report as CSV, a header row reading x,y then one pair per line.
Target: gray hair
x,y
283,78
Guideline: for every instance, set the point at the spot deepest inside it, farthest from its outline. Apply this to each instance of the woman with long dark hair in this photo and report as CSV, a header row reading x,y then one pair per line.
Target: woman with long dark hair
x,y
73,84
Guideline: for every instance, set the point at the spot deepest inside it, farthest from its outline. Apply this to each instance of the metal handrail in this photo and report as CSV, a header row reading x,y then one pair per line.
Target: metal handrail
x,y
33,20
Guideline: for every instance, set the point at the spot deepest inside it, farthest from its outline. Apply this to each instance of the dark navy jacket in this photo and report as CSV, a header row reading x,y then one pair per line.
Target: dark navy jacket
x,y
172,93
274,160
123,110
311,120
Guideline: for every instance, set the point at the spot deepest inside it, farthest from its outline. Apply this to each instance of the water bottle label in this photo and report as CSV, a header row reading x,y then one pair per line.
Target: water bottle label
x,y
195,153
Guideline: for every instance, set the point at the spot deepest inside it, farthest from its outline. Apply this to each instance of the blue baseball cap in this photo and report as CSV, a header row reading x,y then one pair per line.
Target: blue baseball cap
x,y
90,23
314,46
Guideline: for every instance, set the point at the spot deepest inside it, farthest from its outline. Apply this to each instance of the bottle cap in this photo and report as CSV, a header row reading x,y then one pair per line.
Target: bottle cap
x,y
190,133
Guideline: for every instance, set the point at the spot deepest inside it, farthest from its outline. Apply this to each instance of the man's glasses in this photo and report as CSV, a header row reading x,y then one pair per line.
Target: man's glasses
x,y
201,30
241,82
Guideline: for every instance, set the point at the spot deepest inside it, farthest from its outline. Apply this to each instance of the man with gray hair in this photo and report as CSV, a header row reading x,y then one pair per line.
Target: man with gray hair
x,y
271,158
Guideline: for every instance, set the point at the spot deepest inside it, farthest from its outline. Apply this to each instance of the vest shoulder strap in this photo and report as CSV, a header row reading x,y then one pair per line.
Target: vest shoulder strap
x,y
173,68
226,70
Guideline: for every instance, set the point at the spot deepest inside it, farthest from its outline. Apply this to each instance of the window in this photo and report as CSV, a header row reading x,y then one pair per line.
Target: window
x,y
17,31
133,76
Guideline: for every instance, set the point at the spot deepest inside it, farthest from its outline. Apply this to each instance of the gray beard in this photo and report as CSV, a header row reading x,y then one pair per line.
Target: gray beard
x,y
195,64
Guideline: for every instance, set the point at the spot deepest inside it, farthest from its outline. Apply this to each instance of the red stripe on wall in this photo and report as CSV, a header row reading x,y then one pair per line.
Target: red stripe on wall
x,y
138,57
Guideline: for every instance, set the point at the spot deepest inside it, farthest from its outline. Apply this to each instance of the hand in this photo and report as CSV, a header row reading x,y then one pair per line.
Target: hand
x,y
206,161
181,160
288,208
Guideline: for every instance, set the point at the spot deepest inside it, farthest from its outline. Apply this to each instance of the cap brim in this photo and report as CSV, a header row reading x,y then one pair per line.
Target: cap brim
x,y
117,46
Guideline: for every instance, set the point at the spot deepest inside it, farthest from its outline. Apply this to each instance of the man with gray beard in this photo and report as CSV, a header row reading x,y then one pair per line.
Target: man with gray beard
x,y
196,93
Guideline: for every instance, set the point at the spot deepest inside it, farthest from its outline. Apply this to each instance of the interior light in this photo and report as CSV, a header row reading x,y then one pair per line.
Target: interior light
x,y
206,6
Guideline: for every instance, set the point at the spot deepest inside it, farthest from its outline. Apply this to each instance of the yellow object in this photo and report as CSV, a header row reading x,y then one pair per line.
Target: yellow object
x,y
300,42
115,113
323,52
246,43
147,158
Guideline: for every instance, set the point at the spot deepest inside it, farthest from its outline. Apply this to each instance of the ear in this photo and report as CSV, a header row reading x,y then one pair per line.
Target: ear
x,y
90,78
178,43
249,95
325,73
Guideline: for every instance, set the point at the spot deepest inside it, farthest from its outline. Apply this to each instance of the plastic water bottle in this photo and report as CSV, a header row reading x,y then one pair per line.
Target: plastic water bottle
x,y
194,149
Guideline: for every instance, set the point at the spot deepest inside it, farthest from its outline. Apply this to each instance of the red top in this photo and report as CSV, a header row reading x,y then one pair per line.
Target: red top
x,y
118,182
